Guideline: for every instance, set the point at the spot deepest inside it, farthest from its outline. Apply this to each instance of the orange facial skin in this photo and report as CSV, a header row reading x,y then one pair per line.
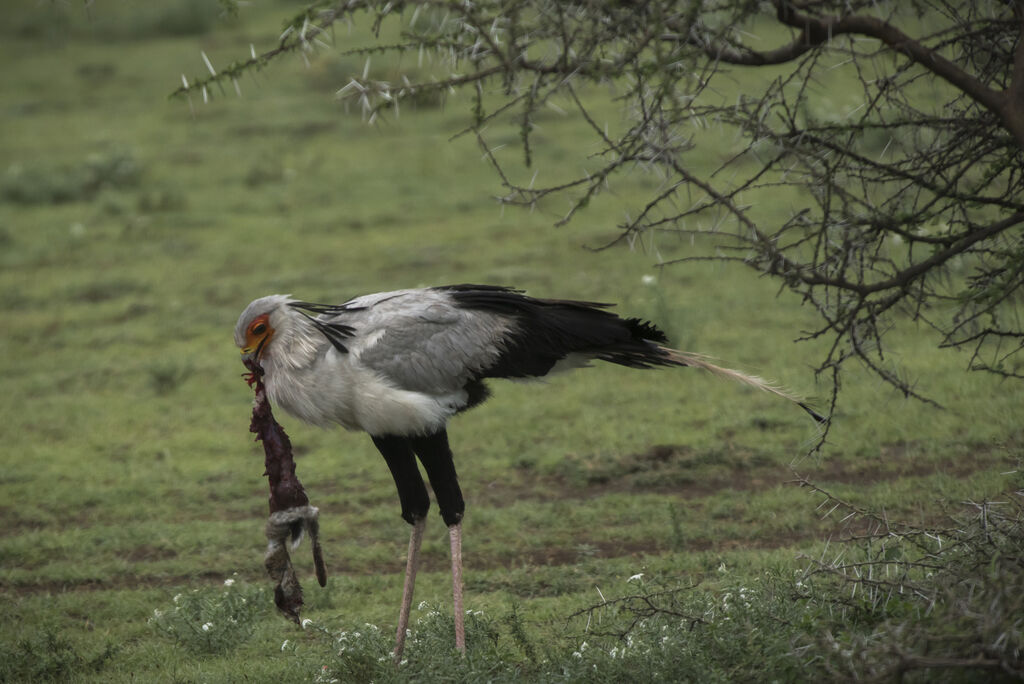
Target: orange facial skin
x,y
257,335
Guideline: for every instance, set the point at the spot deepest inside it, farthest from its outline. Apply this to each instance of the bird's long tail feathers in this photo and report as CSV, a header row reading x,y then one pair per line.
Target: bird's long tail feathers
x,y
699,361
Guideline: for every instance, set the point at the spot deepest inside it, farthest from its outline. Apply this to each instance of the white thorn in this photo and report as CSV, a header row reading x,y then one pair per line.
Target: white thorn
x,y
213,72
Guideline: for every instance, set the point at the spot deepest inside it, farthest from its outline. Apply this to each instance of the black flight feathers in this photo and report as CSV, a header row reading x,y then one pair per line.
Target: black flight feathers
x,y
548,330
336,333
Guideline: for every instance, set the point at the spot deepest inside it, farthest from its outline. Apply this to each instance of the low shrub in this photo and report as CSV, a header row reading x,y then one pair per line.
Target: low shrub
x,y
212,619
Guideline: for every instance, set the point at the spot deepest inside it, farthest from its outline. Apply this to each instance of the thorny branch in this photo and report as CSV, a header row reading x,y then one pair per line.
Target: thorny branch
x,y
905,184
967,574
639,607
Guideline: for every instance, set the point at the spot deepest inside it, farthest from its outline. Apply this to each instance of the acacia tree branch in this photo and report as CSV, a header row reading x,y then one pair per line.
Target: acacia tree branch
x,y
1013,106
297,36
908,275
816,31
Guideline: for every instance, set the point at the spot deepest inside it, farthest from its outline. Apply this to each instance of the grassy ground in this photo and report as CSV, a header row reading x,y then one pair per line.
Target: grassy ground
x,y
134,229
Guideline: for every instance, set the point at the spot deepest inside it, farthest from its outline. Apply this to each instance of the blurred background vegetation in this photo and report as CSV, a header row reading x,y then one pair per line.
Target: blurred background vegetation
x,y
133,230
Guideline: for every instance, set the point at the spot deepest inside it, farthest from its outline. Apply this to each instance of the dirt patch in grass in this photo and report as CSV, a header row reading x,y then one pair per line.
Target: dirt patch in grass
x,y
556,556
681,470
143,554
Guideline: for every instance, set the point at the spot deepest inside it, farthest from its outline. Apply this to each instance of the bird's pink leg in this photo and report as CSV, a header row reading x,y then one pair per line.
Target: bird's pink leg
x,y
455,535
411,564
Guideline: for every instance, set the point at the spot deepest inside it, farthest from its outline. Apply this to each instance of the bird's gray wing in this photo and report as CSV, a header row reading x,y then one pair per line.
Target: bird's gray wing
x,y
420,340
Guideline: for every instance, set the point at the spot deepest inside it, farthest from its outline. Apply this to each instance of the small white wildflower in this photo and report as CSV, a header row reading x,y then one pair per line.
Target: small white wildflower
x,y
177,597
284,644
422,606
637,577
649,280
577,654
722,568
306,623
207,626
612,653
228,582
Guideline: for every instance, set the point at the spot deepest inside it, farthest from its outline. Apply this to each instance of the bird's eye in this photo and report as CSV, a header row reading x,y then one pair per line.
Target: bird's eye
x,y
259,328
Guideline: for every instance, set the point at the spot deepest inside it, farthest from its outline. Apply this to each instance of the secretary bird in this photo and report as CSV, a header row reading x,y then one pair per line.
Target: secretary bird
x,y
398,365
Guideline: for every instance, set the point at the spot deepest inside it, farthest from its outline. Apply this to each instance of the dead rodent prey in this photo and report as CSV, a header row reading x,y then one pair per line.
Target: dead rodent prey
x,y
291,514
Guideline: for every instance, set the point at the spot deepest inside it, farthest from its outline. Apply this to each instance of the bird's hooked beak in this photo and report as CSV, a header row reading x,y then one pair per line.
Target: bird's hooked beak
x,y
250,355
257,335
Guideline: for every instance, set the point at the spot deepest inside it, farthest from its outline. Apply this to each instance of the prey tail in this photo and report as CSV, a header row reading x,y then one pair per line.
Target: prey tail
x,y
692,360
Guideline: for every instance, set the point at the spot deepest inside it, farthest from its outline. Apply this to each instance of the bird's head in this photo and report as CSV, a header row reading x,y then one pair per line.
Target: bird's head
x,y
258,324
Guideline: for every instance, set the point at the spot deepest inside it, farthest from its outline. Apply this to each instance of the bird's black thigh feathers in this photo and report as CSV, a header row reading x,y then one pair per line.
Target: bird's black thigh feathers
x,y
436,456
402,461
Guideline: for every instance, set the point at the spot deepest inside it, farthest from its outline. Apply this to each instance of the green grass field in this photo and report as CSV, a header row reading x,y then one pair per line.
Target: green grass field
x,y
134,229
